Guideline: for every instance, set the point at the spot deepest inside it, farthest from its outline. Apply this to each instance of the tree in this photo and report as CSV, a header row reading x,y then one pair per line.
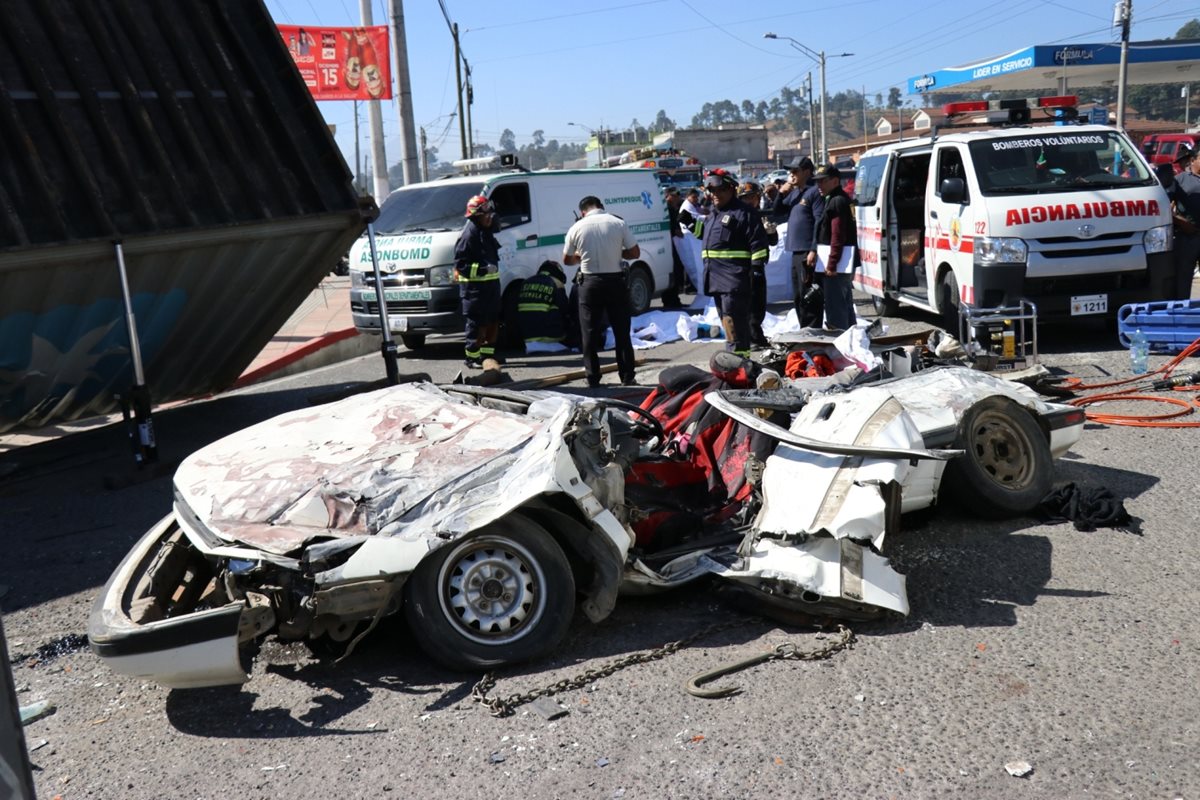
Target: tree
x,y
508,141
879,100
760,111
747,110
663,123
894,100
539,138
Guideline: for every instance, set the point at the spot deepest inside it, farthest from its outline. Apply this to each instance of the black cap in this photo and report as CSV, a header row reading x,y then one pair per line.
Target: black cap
x,y
671,190
801,162
828,171
1185,153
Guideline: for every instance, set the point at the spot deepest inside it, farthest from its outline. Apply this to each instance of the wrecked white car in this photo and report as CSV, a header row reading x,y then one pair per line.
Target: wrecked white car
x,y
485,514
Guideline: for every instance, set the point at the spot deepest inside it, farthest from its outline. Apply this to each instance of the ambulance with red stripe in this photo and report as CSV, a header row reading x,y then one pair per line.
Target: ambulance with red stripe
x,y
1068,217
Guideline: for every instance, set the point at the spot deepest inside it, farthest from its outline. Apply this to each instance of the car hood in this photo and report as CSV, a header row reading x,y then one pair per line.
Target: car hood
x,y
361,466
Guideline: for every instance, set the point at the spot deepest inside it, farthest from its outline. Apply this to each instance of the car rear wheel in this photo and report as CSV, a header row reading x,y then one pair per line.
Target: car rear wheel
x,y
499,596
1006,469
641,290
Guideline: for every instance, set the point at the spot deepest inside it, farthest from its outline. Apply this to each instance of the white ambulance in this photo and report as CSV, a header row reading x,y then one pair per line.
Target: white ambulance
x,y
1068,217
419,225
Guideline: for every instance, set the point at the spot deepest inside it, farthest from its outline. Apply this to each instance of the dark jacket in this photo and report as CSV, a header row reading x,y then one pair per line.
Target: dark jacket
x,y
804,209
542,309
734,240
837,227
477,254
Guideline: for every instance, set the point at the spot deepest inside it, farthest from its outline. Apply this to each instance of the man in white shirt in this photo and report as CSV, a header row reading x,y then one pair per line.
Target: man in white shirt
x,y
597,243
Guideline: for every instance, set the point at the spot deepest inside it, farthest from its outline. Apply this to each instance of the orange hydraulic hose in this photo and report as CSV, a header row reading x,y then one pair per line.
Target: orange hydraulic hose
x,y
1167,420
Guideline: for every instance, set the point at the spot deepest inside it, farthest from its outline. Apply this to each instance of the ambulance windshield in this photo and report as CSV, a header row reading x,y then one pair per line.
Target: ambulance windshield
x,y
1057,162
428,207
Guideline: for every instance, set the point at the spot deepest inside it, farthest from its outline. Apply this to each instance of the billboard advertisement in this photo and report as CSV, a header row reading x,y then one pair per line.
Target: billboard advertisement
x,y
341,63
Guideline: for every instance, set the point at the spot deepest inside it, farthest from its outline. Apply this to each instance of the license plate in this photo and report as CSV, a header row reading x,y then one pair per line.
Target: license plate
x,y
398,323
1089,304
397,295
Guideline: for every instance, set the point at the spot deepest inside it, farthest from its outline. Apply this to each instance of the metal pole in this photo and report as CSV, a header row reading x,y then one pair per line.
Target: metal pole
x,y
1126,12
462,123
1187,102
824,148
387,347
408,129
379,176
358,181
145,448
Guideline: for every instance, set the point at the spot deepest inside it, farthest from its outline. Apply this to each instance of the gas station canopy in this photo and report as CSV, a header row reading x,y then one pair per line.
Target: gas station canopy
x,y
1050,67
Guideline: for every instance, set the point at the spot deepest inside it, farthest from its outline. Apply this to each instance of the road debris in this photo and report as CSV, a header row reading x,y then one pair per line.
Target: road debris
x,y
1018,769
35,711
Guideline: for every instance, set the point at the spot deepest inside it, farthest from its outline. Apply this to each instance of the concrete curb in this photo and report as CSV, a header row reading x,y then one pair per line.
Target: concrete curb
x,y
328,349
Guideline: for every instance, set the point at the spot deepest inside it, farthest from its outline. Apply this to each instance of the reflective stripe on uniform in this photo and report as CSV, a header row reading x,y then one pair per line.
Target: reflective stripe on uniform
x,y
474,276
726,254
759,255
535,307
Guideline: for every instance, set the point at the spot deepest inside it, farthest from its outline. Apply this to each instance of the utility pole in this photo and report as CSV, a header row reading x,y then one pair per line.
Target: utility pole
x,y
470,100
1187,102
408,130
1123,14
379,178
424,157
462,122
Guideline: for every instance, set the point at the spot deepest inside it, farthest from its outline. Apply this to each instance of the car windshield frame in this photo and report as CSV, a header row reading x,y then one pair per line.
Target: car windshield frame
x,y
1059,161
427,207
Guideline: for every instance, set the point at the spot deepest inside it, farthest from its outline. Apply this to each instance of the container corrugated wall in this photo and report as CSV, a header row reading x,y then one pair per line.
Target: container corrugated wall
x,y
182,129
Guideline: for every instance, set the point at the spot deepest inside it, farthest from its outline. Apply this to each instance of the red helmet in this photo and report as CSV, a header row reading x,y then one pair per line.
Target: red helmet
x,y
479,205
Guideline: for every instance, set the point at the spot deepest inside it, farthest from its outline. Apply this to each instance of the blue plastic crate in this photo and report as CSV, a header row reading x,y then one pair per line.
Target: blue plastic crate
x,y
1169,325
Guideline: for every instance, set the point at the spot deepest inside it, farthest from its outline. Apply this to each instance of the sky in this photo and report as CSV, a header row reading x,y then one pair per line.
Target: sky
x,y
541,65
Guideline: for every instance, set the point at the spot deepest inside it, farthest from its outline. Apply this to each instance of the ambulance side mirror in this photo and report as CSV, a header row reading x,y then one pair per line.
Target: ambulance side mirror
x,y
953,190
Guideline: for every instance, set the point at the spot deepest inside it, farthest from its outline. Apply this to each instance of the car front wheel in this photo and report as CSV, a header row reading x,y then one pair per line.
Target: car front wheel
x,y
501,595
1006,469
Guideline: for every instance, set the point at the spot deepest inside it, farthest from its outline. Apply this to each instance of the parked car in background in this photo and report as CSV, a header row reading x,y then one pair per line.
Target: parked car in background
x,y
1164,148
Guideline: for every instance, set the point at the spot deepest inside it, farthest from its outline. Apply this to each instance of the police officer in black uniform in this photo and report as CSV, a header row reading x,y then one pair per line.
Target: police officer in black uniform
x,y
477,271
734,243
800,199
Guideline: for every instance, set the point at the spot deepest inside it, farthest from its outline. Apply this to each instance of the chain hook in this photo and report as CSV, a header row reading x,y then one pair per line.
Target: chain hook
x,y
692,686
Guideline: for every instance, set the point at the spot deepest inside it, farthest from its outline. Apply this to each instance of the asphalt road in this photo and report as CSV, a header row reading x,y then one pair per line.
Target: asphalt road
x,y
1075,652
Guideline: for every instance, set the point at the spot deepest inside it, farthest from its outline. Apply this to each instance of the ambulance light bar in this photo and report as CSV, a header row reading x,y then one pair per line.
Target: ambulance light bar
x,y
1013,112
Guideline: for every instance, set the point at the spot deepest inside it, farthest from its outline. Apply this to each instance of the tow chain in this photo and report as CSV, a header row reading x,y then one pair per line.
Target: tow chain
x,y
504,706
784,652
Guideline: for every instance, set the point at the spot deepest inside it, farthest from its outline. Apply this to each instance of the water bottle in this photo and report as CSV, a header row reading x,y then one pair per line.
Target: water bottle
x,y
1139,349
